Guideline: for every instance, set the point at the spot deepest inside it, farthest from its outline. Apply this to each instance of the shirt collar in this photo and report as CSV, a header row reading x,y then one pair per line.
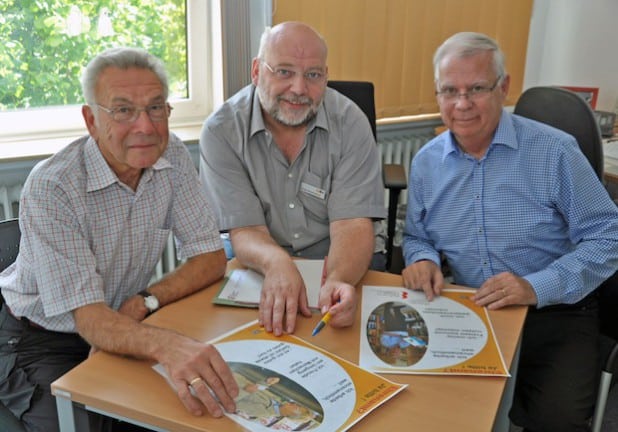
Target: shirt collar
x,y
505,135
99,173
257,118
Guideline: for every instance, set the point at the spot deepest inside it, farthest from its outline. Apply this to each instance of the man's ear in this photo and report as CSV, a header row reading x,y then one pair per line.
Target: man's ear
x,y
505,84
255,71
89,119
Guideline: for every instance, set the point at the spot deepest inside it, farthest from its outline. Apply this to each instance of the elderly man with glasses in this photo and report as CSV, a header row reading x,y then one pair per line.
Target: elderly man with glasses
x,y
293,170
95,218
518,212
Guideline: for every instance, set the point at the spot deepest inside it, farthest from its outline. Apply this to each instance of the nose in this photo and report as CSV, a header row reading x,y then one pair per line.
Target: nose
x,y
298,84
143,121
462,100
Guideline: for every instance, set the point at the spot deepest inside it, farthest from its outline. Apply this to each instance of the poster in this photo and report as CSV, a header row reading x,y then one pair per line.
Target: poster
x,y
288,384
403,332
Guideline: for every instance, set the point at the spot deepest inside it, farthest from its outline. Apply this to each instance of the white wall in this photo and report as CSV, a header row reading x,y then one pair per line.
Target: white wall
x,y
575,42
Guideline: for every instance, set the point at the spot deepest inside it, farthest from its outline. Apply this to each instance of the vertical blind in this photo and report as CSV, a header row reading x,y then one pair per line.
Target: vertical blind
x,y
391,42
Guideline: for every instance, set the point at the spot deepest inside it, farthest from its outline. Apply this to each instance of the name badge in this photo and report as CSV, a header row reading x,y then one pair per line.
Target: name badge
x,y
313,190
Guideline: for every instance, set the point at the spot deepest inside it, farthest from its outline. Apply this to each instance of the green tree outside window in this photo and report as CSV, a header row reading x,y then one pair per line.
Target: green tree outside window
x,y
45,44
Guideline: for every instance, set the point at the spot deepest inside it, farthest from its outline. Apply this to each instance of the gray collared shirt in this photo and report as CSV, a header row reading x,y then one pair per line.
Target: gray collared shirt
x,y
337,174
87,238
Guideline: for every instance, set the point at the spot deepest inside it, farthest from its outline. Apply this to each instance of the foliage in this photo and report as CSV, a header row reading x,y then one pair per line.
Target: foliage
x,y
41,62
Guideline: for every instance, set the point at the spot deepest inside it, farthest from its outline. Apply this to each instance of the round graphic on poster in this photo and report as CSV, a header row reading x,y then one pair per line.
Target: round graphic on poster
x,y
397,334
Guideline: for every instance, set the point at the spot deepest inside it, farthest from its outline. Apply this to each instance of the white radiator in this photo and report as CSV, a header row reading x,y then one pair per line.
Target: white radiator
x,y
393,150
401,150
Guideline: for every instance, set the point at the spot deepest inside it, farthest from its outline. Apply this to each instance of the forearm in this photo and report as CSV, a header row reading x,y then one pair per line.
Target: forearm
x,y
111,331
351,249
255,248
196,273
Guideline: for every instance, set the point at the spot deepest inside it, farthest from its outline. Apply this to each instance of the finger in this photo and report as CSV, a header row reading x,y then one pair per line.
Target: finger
x,y
193,405
291,309
202,392
303,303
278,313
222,370
221,382
438,283
427,288
501,299
265,311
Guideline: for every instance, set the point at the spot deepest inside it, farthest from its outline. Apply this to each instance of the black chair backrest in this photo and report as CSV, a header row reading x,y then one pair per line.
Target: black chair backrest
x,y
569,112
362,93
9,242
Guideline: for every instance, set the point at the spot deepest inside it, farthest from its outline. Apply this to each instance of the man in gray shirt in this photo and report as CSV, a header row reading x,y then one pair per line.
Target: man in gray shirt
x,y
292,168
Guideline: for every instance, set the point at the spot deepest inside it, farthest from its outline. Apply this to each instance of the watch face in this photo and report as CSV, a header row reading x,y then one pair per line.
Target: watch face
x,y
151,303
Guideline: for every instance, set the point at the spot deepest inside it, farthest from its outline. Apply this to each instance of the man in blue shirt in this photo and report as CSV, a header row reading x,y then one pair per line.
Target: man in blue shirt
x,y
518,213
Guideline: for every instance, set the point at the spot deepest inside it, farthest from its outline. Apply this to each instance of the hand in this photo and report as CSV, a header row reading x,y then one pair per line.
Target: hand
x,y
424,275
505,289
340,298
134,307
198,366
283,295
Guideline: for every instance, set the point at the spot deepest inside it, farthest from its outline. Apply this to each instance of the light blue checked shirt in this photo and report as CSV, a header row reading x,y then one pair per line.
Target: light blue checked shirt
x,y
532,206
88,238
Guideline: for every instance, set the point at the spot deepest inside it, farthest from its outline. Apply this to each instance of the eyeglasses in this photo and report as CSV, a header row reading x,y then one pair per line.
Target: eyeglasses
x,y
285,74
128,113
476,92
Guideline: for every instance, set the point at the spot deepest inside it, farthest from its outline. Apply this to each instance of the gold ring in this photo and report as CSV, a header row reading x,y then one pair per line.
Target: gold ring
x,y
195,380
503,292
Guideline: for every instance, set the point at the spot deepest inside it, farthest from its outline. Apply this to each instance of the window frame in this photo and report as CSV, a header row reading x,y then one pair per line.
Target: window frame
x,y
51,126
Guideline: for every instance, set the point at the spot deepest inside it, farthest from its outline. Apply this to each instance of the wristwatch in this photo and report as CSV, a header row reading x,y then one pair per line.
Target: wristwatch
x,y
150,301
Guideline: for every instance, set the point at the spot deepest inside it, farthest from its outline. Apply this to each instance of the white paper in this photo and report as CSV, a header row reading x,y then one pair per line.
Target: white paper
x,y
244,286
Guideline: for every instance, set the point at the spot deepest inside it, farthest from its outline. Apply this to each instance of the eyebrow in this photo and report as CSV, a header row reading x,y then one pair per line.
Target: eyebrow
x,y
293,66
476,83
123,100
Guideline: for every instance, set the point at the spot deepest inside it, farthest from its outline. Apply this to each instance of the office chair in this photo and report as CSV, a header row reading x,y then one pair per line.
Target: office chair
x,y
9,248
567,111
393,175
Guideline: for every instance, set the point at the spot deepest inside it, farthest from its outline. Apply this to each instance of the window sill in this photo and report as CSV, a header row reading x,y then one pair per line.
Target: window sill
x,y
40,148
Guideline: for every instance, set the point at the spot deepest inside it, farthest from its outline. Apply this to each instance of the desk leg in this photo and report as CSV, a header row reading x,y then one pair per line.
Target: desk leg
x,y
66,415
502,422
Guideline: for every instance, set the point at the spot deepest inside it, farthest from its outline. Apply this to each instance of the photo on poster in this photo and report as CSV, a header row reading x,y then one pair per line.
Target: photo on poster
x,y
270,399
403,332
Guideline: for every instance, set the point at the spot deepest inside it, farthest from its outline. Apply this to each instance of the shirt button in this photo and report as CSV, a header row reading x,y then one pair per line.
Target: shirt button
x,y
291,205
480,230
296,235
290,175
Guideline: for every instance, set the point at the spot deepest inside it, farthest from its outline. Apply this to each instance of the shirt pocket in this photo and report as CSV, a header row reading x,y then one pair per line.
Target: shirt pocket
x,y
313,193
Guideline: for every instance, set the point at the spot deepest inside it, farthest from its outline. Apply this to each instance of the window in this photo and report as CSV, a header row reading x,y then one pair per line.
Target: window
x,y
48,42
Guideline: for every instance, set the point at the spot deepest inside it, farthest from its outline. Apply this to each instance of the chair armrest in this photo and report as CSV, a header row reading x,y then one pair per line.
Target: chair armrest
x,y
394,176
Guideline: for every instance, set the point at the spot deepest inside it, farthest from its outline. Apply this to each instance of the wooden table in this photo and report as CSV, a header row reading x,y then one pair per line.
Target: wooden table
x,y
130,389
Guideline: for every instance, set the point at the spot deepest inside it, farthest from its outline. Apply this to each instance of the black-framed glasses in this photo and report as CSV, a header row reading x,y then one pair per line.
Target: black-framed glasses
x,y
473,93
312,76
128,113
